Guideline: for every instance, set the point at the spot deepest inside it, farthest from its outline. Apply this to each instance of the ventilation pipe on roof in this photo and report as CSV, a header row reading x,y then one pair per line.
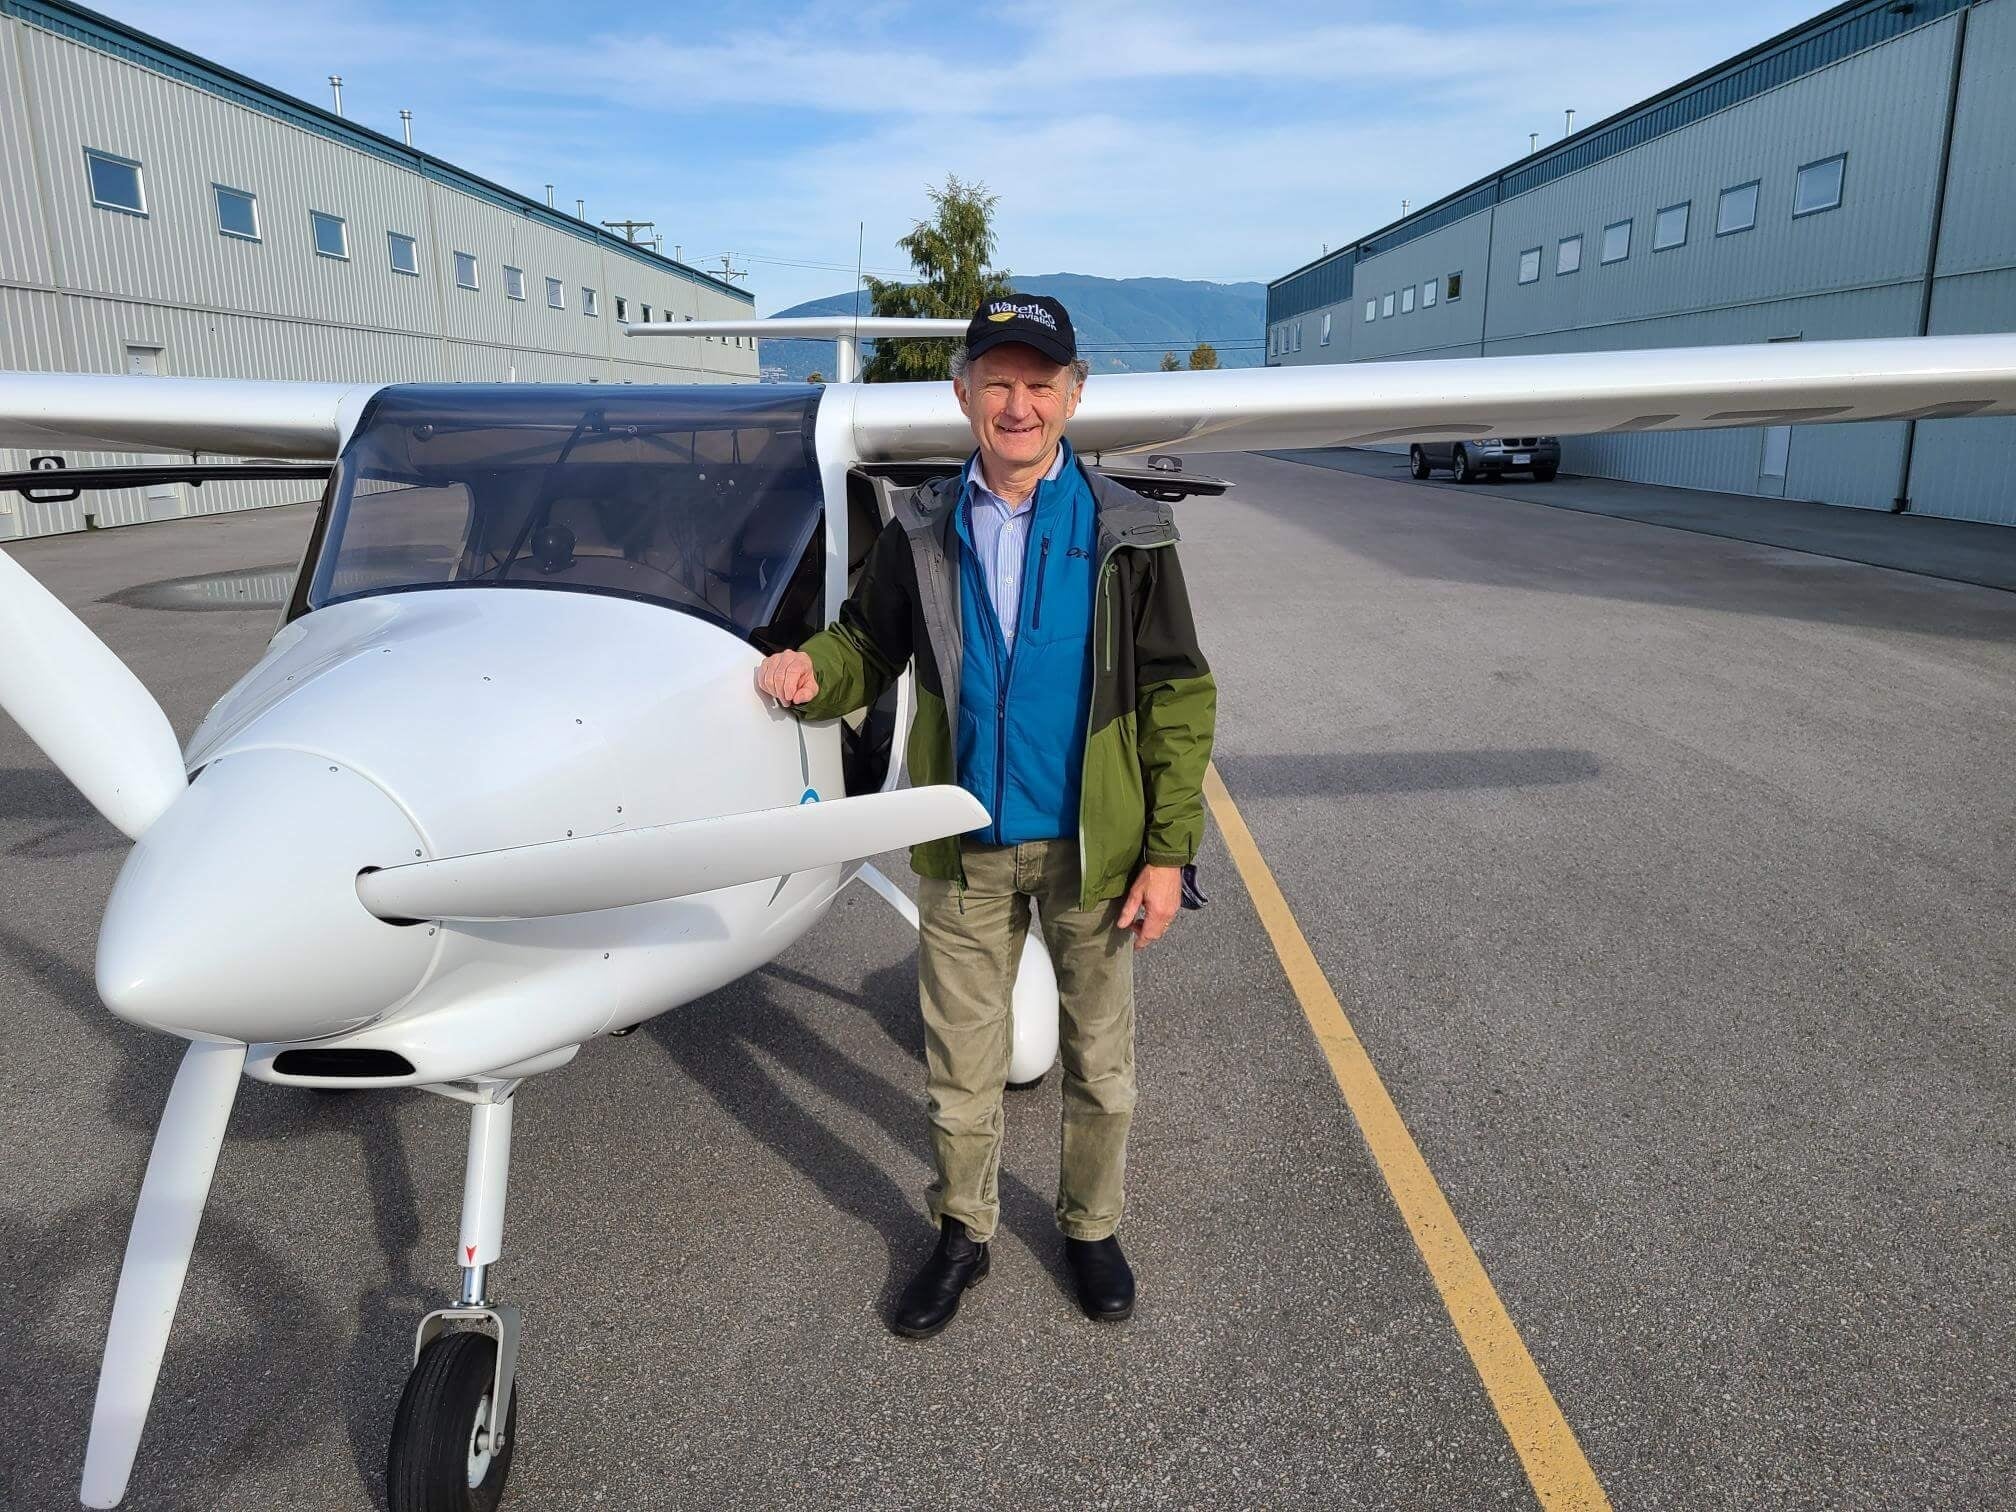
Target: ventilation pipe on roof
x,y
406,121
1532,141
336,89
1570,131
549,196
580,209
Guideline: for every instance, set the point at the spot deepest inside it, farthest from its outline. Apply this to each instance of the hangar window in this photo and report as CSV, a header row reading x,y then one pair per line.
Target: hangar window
x,y
405,254
115,182
622,308
1617,241
1669,227
1371,310
1819,186
465,270
1568,255
588,305
556,294
1298,335
1737,209
1407,300
1386,305
514,283
237,213
1428,294
643,312
1324,339
332,237
1454,287
1529,265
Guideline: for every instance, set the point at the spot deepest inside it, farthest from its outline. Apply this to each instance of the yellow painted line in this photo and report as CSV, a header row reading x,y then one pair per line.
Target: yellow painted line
x,y
1546,1445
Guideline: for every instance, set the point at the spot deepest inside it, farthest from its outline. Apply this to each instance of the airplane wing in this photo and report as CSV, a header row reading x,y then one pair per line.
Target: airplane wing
x,y
232,417
1562,394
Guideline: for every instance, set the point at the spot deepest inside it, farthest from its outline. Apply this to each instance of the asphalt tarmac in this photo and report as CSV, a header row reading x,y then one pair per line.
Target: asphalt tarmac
x,y
1666,879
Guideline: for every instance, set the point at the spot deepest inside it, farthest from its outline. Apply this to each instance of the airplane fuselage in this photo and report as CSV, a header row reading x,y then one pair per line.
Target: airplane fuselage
x,y
415,725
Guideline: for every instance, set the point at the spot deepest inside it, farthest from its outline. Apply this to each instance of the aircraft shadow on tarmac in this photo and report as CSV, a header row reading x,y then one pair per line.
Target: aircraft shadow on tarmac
x,y
41,793
282,1321
723,1043
1365,773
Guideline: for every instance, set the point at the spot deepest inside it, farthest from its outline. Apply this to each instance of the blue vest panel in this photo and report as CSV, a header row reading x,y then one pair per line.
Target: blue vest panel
x,y
1022,715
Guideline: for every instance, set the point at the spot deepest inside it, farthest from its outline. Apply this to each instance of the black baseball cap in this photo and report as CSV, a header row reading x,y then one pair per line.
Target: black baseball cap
x,y
1035,320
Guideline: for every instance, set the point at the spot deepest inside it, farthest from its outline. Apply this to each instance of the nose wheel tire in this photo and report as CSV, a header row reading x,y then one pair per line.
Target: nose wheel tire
x,y
442,1457
1417,462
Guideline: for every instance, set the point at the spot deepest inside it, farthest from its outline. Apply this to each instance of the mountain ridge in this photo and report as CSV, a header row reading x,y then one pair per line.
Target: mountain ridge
x,y
1124,325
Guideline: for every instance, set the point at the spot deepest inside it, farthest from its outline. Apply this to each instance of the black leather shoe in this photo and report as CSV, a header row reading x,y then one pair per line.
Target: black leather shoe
x,y
1105,1280
931,1299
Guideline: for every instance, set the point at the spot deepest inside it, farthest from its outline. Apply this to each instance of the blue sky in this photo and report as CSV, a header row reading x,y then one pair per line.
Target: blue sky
x,y
1176,138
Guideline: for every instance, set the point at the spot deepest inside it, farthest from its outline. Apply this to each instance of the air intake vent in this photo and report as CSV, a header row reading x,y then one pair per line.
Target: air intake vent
x,y
358,1063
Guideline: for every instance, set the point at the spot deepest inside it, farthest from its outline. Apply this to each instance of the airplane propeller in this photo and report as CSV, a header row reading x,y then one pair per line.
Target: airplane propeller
x,y
84,707
665,860
172,1195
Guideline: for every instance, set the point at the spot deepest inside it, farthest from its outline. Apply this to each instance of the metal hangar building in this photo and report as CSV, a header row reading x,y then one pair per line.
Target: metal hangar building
x,y
1849,178
162,214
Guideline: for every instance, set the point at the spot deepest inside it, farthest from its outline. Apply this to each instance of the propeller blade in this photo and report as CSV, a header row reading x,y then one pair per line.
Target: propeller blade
x,y
84,707
157,1257
666,860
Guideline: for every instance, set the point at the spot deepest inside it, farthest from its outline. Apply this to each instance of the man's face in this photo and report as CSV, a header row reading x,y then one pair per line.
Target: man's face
x,y
1018,402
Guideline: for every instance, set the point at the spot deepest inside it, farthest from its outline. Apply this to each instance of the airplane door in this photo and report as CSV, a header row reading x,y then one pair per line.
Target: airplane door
x,y
163,500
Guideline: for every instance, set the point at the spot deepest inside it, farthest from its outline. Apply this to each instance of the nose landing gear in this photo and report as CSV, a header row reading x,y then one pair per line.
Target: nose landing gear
x,y
457,1424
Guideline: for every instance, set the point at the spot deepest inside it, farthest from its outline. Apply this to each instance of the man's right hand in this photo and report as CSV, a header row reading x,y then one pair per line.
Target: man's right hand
x,y
787,677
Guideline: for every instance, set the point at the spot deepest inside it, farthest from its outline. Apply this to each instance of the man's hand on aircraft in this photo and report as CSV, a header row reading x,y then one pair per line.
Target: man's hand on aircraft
x,y
787,677
1151,903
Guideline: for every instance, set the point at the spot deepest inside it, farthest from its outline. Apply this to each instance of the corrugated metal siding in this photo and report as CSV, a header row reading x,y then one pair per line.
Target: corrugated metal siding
x,y
79,287
1855,271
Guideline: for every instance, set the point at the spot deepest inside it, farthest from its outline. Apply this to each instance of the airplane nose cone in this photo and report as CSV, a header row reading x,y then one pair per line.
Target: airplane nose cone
x,y
236,915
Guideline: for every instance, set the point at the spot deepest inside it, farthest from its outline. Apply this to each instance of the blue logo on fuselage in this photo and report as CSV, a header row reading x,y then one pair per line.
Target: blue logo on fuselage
x,y
811,796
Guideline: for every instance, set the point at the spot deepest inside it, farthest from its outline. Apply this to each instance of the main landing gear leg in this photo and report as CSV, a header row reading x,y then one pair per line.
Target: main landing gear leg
x,y
457,1424
1034,1047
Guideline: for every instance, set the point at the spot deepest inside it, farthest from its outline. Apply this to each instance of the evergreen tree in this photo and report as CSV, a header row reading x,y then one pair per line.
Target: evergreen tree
x,y
815,377
950,252
1203,357
1169,362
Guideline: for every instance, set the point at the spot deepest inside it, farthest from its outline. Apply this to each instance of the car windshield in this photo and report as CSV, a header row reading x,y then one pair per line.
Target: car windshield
x,y
703,499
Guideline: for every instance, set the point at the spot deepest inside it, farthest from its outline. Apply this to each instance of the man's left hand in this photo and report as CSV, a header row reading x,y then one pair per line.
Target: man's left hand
x,y
1151,903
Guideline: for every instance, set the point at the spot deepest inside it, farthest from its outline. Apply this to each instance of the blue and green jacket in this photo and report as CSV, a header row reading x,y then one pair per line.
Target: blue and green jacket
x,y
1139,750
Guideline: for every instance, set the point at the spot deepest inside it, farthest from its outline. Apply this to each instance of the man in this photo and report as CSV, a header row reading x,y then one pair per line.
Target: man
x,y
1059,682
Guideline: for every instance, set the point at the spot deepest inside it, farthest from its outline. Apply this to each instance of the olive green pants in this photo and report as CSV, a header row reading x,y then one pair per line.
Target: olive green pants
x,y
971,942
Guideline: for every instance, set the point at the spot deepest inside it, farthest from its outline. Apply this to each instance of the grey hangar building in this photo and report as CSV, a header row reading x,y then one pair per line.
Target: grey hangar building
x,y
1852,177
161,214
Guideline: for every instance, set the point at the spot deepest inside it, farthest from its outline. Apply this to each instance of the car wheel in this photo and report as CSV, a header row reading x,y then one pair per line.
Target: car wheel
x,y
1417,462
1464,472
1544,474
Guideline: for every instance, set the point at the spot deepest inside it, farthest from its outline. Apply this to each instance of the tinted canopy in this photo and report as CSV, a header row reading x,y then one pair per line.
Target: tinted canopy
x,y
700,498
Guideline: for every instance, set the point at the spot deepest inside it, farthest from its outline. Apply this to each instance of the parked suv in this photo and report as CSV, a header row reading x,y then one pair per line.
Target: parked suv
x,y
1471,460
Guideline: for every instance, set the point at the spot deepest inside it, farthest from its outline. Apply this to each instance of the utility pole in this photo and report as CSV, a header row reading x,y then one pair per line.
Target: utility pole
x,y
727,272
630,228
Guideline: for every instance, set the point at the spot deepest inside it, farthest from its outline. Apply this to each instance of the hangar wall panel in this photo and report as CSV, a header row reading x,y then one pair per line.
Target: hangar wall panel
x,y
86,288
1854,271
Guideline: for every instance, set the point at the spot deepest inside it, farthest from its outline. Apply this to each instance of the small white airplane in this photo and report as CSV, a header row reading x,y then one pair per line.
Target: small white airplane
x,y
442,838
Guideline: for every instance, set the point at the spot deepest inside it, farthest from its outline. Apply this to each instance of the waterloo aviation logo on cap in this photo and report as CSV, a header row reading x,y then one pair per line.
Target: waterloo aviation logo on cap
x,y
1034,320
1007,309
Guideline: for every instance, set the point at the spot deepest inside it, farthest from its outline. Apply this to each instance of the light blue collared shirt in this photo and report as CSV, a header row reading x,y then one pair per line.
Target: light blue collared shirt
x,y
1001,542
